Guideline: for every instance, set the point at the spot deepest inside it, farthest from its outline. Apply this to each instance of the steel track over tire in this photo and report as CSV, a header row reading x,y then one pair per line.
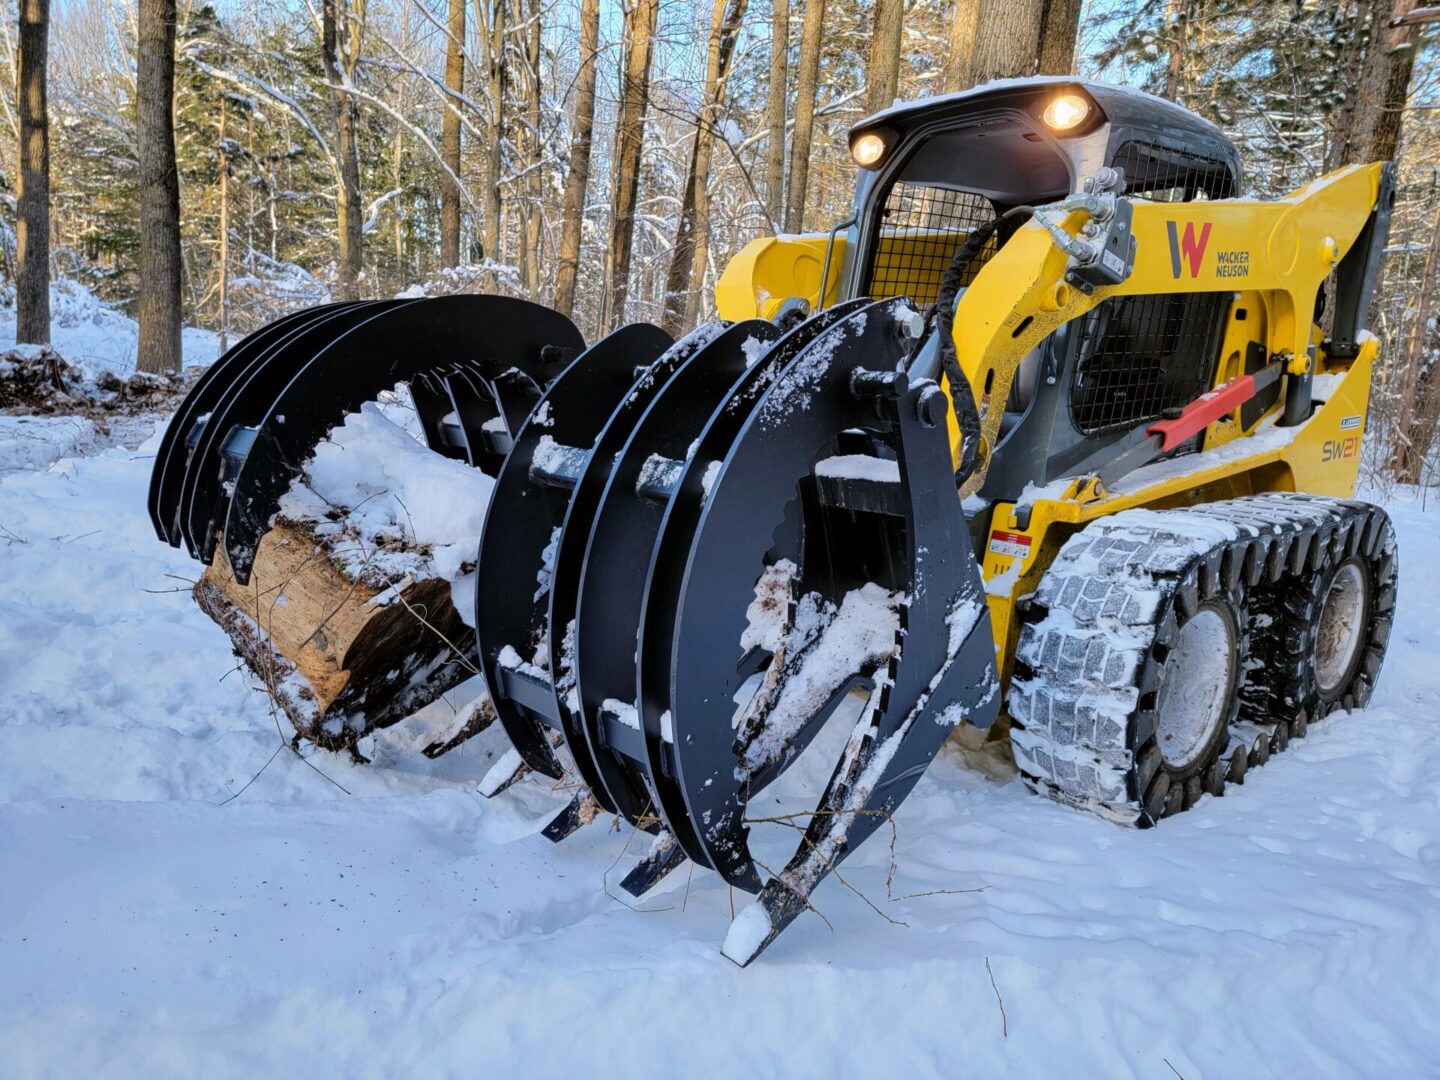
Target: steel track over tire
x,y
1092,723
1303,671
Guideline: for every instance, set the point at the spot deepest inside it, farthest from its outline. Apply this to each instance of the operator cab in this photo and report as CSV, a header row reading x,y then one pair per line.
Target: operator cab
x,y
933,170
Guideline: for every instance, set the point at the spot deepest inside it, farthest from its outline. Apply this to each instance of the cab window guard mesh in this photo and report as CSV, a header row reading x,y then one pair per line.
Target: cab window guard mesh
x,y
1160,173
1141,355
921,229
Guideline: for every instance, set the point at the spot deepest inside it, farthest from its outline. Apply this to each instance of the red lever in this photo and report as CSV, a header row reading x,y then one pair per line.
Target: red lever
x,y
1203,411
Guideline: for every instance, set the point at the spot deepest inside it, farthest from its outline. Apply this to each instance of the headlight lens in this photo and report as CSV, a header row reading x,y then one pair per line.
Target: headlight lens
x,y
1066,112
868,149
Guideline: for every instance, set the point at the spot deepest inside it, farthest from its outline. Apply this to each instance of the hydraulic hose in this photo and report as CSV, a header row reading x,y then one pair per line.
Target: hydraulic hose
x,y
962,394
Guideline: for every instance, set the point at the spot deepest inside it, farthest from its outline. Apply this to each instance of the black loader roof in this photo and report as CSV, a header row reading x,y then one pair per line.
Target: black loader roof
x,y
1128,111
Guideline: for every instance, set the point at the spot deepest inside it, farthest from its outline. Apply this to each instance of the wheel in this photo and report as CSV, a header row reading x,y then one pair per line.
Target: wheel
x,y
1196,687
1320,632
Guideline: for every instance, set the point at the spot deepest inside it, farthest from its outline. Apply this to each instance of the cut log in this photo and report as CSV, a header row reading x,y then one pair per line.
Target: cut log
x,y
340,652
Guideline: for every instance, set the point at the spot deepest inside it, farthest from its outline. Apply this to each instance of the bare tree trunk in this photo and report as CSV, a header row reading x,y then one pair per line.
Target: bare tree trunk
x,y
491,18
450,137
1178,15
578,178
32,225
1384,110
692,234
397,172
1007,39
533,187
1369,128
806,80
775,112
1059,27
883,74
1384,83
160,267
340,47
629,140
1409,453
224,163
961,61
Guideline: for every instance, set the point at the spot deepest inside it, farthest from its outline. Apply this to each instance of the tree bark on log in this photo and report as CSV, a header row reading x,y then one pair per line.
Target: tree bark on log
x,y
961,61
1415,424
490,23
340,655
32,219
1369,128
533,186
160,265
690,254
1059,26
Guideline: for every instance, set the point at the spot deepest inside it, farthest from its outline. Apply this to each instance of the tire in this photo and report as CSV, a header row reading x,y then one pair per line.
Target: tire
x,y
1320,633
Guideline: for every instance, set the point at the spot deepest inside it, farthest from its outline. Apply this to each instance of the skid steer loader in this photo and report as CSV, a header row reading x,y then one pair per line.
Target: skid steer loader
x,y
1053,424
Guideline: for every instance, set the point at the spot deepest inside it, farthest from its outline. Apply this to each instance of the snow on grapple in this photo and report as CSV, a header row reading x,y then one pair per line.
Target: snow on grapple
x,y
699,552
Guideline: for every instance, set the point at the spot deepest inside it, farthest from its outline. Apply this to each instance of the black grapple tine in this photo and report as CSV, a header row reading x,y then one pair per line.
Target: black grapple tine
x,y
523,527
842,474
476,407
393,346
667,561
941,673
664,856
577,813
628,506
516,393
172,459
208,486
431,396
615,793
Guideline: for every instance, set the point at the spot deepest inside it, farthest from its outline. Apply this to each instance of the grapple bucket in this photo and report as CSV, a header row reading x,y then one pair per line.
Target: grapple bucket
x,y
696,555
708,550
475,365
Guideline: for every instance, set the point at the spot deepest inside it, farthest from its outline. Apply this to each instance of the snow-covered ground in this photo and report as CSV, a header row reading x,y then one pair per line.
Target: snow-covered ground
x,y
94,338
179,899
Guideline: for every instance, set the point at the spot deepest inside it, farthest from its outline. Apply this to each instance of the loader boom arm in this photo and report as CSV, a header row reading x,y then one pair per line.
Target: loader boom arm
x,y
1282,250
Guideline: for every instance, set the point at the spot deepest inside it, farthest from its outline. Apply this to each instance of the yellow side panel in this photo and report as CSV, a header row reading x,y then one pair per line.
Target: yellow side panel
x,y
1320,457
772,269
1280,251
1324,459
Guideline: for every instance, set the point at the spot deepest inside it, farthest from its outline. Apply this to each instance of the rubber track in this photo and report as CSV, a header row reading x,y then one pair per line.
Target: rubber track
x,y
1091,637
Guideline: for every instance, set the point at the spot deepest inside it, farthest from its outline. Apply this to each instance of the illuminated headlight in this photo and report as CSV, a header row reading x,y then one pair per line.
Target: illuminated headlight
x,y
1066,112
867,150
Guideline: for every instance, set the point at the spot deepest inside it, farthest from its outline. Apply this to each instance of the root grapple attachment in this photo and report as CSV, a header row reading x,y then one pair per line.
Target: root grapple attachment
x,y
697,554
475,365
709,548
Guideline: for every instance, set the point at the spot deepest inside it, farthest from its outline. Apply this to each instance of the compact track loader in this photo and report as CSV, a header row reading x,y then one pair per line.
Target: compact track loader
x,y
1054,427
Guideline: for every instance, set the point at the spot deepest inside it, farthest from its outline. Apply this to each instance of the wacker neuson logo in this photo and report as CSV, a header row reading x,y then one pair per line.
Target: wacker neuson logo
x,y
1187,253
1188,249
